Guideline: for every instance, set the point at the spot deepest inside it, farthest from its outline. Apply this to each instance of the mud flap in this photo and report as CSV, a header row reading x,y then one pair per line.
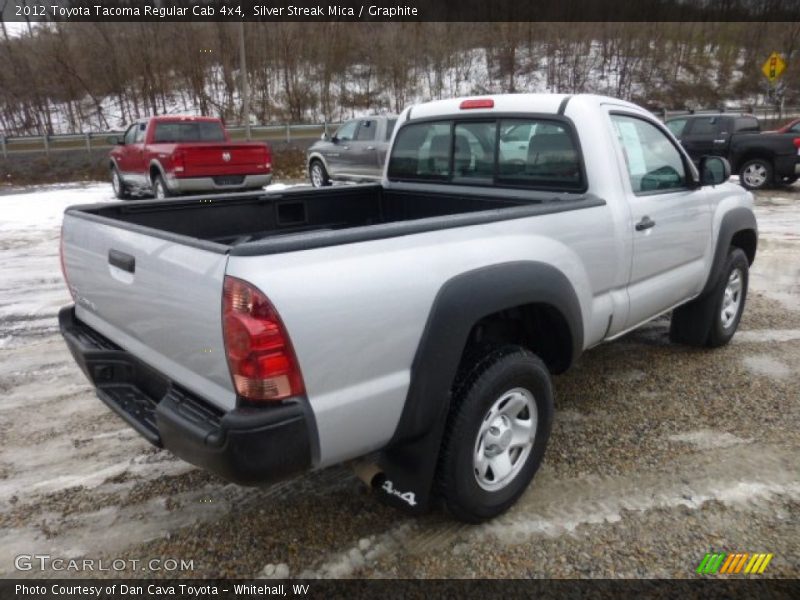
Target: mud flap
x,y
409,469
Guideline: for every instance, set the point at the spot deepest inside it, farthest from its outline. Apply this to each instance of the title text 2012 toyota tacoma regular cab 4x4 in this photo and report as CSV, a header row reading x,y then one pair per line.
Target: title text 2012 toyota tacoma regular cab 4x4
x,y
412,324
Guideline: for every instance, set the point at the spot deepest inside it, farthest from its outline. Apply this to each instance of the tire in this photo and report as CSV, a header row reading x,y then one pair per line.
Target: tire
x,y
160,189
506,388
712,320
119,187
318,174
756,174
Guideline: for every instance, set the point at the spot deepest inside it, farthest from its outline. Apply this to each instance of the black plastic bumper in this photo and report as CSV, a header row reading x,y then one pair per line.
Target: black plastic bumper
x,y
249,446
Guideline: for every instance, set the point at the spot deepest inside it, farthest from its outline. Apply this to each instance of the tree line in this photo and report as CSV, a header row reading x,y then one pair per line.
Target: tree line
x,y
61,77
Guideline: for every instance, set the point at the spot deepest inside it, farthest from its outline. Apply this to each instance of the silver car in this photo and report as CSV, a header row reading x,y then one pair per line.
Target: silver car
x,y
356,151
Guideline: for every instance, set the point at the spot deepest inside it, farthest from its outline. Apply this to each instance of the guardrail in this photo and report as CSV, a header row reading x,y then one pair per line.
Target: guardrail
x,y
287,133
93,141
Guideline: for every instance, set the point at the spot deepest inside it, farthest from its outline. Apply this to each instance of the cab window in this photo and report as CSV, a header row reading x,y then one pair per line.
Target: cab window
x,y
524,153
347,132
654,163
676,126
140,128
130,134
366,130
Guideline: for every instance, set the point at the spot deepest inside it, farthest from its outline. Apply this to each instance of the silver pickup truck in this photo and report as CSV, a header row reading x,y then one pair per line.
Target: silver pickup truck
x,y
410,326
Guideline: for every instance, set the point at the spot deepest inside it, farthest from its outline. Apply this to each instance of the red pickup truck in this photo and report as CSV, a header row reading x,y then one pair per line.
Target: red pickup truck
x,y
170,155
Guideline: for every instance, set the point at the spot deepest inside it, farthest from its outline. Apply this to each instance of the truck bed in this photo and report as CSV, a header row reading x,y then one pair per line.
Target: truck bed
x,y
265,223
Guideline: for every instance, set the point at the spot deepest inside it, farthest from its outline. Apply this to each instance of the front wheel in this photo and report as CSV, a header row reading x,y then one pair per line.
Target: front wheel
x,y
496,434
756,174
712,320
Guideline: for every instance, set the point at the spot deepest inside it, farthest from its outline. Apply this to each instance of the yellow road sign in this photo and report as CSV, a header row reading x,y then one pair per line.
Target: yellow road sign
x,y
774,67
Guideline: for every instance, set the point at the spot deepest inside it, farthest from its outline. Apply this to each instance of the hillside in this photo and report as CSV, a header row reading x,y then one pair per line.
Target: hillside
x,y
97,76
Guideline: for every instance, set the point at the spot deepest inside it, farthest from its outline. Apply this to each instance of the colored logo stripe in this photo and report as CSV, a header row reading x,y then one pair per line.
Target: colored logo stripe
x,y
711,563
724,563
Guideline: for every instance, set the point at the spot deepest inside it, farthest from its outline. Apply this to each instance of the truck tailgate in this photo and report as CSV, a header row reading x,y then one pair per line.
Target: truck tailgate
x,y
159,299
209,160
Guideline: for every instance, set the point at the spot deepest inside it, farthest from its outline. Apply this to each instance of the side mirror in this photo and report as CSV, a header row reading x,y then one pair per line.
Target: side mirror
x,y
115,140
334,139
714,170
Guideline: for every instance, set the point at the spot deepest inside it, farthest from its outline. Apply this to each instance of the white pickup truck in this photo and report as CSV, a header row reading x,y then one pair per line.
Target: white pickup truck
x,y
413,324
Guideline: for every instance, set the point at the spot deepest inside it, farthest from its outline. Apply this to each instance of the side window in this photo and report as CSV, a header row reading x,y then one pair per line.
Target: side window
x,y
130,134
366,131
703,126
347,132
390,124
795,128
473,150
676,126
747,124
654,164
140,129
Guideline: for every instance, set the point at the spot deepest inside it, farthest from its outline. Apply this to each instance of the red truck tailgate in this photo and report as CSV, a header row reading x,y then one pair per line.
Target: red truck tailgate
x,y
224,159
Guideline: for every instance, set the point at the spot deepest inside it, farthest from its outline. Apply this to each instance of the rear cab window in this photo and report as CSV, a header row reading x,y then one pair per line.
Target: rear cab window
x,y
188,131
533,153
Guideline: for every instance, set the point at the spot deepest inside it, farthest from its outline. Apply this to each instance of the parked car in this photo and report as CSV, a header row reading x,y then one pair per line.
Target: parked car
x,y
760,160
356,152
171,155
790,127
412,324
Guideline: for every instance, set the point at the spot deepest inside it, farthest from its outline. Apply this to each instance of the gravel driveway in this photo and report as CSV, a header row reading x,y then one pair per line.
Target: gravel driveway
x,y
659,454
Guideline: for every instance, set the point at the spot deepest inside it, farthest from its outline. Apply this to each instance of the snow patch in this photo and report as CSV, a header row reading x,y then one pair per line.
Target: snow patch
x,y
705,439
766,366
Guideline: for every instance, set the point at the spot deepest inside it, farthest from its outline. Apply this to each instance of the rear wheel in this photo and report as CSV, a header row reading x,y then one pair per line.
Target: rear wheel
x,y
119,187
160,189
318,174
756,174
496,434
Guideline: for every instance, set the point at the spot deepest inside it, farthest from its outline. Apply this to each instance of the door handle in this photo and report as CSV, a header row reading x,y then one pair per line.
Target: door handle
x,y
370,147
722,141
645,223
345,147
121,260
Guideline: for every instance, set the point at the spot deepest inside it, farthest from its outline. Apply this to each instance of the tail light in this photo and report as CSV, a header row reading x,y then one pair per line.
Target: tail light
x,y
268,162
796,142
260,355
61,258
178,162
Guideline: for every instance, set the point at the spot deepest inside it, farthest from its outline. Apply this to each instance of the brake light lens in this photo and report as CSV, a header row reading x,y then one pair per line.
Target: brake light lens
x,y
260,354
476,103
178,162
796,142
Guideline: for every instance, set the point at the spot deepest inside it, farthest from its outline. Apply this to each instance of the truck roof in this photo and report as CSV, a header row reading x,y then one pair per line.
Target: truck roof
x,y
511,103
181,118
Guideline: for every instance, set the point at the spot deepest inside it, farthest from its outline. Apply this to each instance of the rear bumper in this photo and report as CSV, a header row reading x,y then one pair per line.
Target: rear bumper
x,y
183,185
249,446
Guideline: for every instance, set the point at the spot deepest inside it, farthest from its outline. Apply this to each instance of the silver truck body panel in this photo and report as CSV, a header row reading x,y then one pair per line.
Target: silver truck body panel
x,y
167,313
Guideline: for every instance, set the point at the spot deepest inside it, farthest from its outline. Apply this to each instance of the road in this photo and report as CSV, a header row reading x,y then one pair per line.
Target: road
x,y
659,453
